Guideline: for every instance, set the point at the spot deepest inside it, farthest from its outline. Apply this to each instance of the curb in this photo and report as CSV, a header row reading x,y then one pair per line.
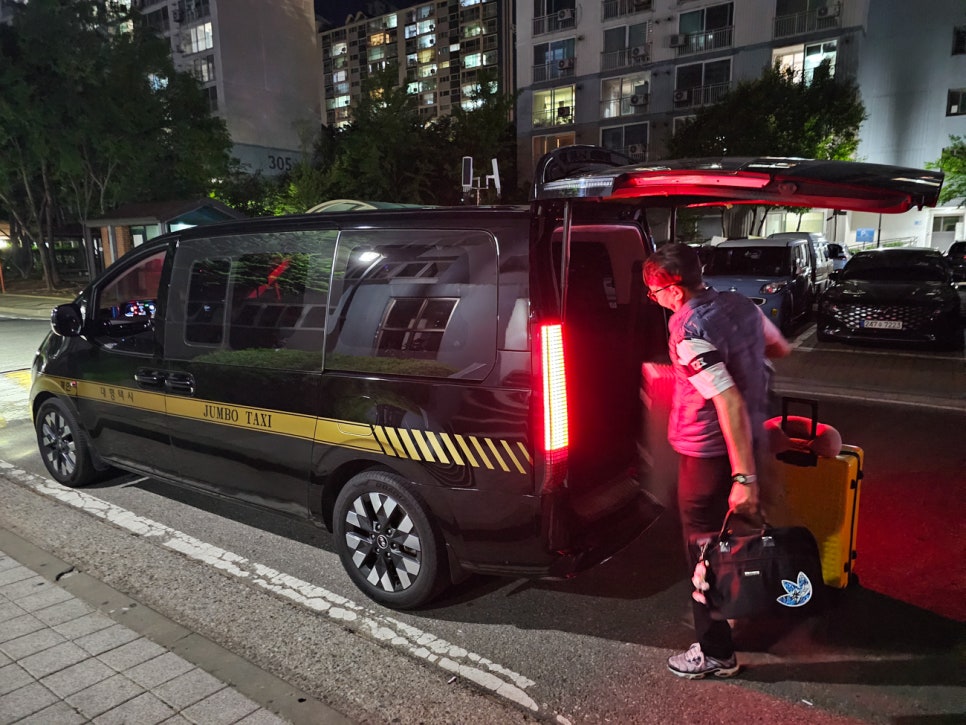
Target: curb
x,y
810,389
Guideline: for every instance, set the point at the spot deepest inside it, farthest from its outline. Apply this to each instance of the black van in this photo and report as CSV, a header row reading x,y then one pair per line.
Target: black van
x,y
448,390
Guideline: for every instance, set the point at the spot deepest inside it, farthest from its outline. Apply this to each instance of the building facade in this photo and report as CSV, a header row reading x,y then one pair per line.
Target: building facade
x,y
625,74
258,63
441,47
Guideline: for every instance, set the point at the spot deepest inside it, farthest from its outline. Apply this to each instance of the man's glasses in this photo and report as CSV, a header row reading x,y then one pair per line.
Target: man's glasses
x,y
652,293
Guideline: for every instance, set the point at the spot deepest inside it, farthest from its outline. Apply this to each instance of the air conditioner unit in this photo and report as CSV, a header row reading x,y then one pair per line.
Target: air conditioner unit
x,y
640,99
566,14
678,40
828,11
682,96
564,112
178,16
639,52
565,63
636,149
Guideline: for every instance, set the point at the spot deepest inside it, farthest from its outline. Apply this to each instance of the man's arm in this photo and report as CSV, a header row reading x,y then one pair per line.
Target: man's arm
x,y
775,343
736,429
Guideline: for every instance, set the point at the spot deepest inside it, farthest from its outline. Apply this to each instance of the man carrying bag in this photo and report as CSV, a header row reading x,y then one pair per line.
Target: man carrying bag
x,y
717,346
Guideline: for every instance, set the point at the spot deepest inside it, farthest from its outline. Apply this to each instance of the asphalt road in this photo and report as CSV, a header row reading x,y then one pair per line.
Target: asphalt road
x,y
495,650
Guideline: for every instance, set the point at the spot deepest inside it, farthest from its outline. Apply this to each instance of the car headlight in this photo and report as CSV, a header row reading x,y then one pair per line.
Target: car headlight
x,y
773,288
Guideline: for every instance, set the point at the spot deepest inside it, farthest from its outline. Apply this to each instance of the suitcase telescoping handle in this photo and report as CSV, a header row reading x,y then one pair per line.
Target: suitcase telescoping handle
x,y
813,406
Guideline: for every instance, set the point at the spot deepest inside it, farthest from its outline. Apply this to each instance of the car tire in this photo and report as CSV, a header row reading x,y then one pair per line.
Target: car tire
x,y
386,541
64,446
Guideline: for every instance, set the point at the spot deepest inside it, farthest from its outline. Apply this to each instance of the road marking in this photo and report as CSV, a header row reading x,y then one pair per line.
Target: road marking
x,y
382,628
13,396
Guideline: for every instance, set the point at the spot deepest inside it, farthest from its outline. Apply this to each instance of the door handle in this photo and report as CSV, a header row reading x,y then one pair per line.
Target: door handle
x,y
148,378
181,383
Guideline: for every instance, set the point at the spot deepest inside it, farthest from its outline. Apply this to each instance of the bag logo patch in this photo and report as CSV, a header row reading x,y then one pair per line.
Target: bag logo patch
x,y
796,593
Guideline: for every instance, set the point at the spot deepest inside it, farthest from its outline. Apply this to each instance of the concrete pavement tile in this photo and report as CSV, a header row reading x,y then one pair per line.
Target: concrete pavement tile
x,y
76,677
60,713
53,660
7,562
14,574
18,627
222,708
144,709
188,688
9,610
177,720
105,695
261,717
106,639
44,598
131,654
62,612
25,701
31,643
13,677
158,670
4,660
23,588
83,626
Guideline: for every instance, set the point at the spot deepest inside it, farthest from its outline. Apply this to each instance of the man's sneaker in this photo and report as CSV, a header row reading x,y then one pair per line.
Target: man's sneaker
x,y
694,665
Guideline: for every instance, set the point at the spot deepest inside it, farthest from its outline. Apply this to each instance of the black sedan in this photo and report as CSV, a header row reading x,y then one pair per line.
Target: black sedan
x,y
893,295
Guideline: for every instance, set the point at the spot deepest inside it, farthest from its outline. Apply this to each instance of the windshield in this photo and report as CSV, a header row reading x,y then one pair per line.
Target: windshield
x,y
756,261
894,268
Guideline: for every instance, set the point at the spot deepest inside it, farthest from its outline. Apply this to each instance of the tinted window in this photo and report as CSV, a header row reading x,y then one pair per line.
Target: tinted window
x,y
420,302
126,306
878,267
254,300
759,261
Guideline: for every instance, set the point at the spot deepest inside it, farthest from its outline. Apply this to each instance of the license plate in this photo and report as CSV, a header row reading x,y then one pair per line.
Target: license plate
x,y
882,324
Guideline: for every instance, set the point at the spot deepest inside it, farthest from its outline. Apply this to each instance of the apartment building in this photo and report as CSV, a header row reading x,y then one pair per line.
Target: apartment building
x,y
626,73
440,47
258,62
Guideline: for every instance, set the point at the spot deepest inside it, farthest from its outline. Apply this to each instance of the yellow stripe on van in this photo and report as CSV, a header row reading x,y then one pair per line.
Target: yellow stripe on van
x,y
417,445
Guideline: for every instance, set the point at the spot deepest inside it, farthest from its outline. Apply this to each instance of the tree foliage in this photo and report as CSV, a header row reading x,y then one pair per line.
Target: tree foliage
x,y
778,115
94,114
952,163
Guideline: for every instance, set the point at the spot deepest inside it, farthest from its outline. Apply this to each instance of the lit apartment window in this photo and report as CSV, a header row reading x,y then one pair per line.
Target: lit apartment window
x,y
803,60
546,144
198,38
624,96
554,106
956,102
204,68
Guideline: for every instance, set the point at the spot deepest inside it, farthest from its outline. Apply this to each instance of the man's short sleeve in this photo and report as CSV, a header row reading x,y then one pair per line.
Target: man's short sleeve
x,y
704,366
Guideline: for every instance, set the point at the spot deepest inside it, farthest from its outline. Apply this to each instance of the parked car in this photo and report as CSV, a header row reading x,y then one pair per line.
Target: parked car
x,y
839,254
446,390
819,259
893,295
775,273
956,254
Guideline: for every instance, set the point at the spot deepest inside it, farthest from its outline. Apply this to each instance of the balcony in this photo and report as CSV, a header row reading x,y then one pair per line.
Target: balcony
x,y
818,19
684,98
559,20
554,70
625,107
560,116
625,57
620,8
690,43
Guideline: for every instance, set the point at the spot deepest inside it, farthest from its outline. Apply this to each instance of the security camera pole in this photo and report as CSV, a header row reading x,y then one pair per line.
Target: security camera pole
x,y
473,183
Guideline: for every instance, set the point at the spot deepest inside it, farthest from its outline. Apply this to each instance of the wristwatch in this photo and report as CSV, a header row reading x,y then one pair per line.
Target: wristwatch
x,y
745,479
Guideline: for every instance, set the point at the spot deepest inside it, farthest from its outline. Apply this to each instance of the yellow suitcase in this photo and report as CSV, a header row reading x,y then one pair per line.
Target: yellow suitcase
x,y
822,493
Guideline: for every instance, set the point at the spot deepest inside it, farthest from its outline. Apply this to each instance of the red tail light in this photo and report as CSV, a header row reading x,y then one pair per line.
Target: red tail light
x,y
556,434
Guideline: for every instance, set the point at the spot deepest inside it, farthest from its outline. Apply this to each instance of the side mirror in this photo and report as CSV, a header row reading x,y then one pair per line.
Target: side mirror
x,y
66,320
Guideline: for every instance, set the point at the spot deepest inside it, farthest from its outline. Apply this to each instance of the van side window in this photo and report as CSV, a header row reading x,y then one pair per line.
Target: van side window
x,y
414,302
207,300
126,307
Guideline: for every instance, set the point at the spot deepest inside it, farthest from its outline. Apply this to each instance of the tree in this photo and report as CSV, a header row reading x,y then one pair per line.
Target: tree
x,y
952,162
775,115
96,115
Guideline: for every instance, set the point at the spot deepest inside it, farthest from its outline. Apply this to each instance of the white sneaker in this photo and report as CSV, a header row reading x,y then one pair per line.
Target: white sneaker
x,y
694,665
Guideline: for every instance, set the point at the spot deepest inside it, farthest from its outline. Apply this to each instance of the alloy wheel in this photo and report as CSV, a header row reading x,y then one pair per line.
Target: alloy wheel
x,y
383,541
59,448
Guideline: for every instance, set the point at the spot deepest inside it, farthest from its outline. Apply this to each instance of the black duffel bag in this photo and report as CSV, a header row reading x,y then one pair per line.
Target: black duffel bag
x,y
758,570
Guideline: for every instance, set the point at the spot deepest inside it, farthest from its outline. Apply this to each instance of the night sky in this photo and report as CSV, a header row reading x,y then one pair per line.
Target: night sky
x,y
336,10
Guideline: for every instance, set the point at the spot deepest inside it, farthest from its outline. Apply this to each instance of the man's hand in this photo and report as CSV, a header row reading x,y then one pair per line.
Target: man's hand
x,y
699,582
744,498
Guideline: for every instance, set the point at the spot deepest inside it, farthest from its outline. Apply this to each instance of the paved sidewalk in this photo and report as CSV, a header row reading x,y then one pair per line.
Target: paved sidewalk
x,y
65,661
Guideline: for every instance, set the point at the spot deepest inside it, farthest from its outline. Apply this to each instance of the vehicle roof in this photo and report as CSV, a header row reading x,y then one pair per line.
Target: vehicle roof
x,y
591,172
777,243
899,251
483,217
814,236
